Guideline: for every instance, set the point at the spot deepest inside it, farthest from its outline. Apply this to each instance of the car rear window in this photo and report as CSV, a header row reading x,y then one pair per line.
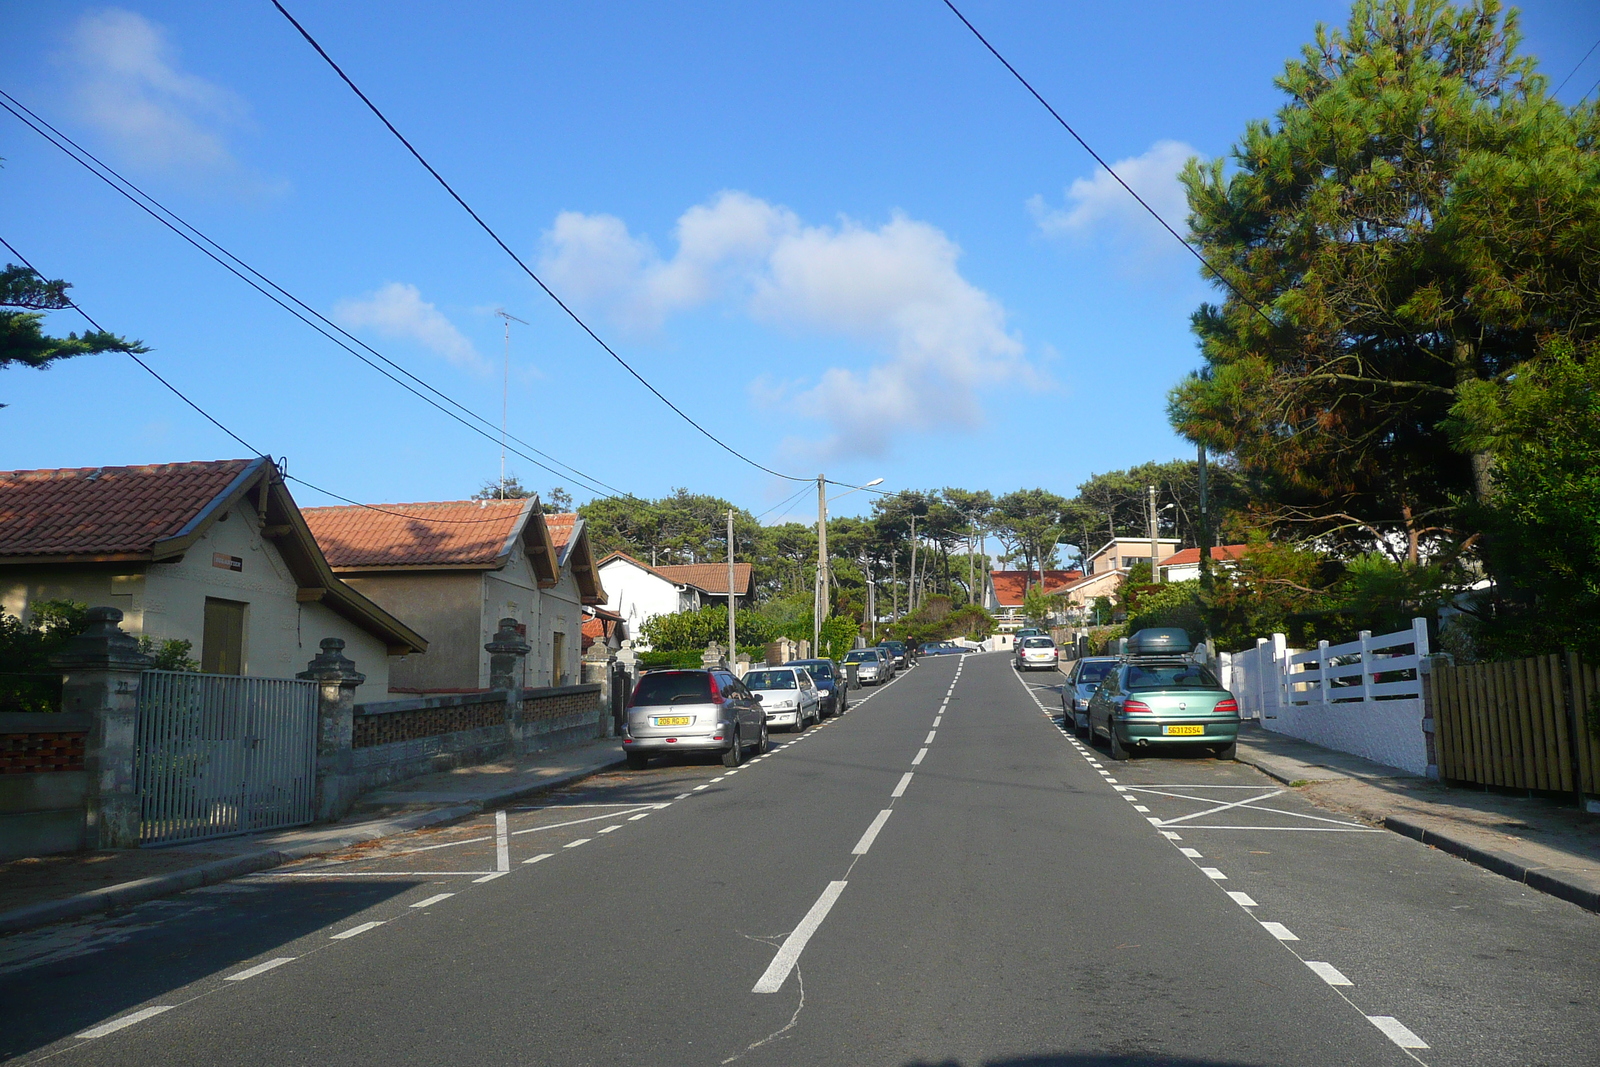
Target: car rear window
x,y
859,656
1090,673
819,670
1038,642
674,687
1177,676
769,680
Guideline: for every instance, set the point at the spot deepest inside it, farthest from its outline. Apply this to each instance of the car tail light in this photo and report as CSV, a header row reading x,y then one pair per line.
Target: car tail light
x,y
1136,707
716,691
1227,707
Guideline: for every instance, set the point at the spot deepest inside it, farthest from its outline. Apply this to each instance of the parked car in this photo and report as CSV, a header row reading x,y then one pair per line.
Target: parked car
x,y
788,694
829,677
944,648
1157,695
1037,653
693,711
897,649
889,663
870,668
1082,680
1025,632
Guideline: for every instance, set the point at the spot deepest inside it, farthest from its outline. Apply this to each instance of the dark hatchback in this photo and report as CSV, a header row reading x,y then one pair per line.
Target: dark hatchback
x,y
829,677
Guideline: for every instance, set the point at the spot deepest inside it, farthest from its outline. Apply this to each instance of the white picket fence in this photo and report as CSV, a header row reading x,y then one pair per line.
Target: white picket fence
x,y
1363,697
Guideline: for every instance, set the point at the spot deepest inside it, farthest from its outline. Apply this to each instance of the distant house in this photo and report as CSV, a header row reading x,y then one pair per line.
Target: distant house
x,y
456,568
1003,591
1185,566
602,627
214,553
636,591
1107,569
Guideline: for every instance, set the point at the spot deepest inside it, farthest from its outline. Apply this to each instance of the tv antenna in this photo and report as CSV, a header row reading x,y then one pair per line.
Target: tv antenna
x,y
505,394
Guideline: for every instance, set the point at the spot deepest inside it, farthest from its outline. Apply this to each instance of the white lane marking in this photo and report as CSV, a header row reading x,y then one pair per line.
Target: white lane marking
x,y
700,787
127,1020
1225,807
608,829
579,841
1152,820
1141,808
1296,829
263,968
641,815
1244,900
1214,874
1328,973
591,818
540,856
1250,803
354,930
502,846
447,844
730,774
1170,836
681,796
329,873
929,739
919,756
490,877
871,835
900,790
1280,931
431,901
789,954
1396,1031
936,719
719,778
1110,781
1120,788
1192,853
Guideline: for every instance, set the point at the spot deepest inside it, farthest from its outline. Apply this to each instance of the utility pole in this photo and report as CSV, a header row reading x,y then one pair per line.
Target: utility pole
x,y
505,395
820,608
872,601
733,600
1205,526
911,587
894,586
1155,538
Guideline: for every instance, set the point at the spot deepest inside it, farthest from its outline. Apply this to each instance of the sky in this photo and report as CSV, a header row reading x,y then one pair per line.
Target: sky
x,y
837,235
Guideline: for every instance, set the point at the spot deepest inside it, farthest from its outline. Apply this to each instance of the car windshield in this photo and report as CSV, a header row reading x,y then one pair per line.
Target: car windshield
x,y
818,670
1094,673
769,680
1175,676
861,656
674,687
1038,642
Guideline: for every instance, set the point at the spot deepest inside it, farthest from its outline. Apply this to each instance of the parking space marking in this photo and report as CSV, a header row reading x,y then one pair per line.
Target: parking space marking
x,y
1244,900
263,968
1279,931
1192,853
1396,1031
1328,973
127,1020
491,876
502,843
1214,874
355,930
641,815
431,901
592,818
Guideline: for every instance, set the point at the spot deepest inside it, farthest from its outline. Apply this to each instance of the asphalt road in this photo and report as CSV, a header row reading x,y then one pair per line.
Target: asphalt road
x,y
942,876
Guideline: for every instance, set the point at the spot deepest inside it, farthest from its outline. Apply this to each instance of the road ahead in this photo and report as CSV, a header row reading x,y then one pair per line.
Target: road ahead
x,y
942,876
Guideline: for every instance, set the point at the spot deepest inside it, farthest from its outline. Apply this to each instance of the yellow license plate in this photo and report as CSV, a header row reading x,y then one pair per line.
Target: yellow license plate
x,y
1183,731
673,720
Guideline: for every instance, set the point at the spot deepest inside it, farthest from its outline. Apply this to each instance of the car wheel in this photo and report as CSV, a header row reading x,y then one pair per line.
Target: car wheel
x,y
1229,751
637,761
735,754
764,745
1118,753
799,726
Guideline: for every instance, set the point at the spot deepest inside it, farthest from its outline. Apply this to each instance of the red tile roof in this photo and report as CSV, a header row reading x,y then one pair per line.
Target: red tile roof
x,y
107,511
1191,556
461,533
1011,586
560,527
710,577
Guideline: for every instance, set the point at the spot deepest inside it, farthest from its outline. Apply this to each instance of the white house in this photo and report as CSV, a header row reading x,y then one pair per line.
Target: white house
x,y
637,591
1185,566
214,553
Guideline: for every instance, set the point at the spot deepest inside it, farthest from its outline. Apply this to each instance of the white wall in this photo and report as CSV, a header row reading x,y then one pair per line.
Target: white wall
x,y
637,595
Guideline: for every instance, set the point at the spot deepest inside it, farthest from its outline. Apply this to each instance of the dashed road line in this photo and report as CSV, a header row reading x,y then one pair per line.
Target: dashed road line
x,y
1279,931
1396,1031
865,844
431,901
789,954
127,1020
1328,973
263,968
900,790
539,857
918,758
355,930
1244,900
579,841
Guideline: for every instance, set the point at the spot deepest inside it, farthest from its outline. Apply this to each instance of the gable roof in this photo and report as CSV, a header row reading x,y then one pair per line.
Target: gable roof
x,y
1011,586
1112,544
1191,556
434,535
156,512
707,577
570,536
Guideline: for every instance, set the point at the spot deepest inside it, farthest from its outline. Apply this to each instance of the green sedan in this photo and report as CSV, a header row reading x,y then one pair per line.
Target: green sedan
x,y
1164,701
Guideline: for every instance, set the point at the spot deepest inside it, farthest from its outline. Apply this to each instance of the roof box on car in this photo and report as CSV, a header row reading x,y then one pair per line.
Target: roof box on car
x,y
1160,641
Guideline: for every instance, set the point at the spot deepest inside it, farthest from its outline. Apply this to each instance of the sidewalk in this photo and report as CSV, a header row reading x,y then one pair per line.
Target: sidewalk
x,y
1545,844
48,889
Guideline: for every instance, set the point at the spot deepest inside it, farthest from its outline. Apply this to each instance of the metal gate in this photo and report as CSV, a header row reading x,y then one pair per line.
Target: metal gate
x,y
219,754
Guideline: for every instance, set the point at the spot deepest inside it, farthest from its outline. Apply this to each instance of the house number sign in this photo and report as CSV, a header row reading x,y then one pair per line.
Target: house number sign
x,y
227,563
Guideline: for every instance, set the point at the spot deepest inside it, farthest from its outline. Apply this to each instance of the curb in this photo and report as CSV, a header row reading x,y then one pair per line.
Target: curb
x,y
125,894
1500,863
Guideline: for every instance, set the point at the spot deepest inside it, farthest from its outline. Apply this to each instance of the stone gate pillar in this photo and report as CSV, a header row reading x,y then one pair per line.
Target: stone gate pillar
x,y
337,679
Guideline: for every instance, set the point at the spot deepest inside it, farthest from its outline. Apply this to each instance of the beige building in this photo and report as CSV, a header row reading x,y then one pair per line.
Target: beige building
x,y
1107,569
213,553
455,568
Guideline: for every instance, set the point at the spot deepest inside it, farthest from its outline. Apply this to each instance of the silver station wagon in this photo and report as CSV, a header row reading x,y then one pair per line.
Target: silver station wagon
x,y
693,711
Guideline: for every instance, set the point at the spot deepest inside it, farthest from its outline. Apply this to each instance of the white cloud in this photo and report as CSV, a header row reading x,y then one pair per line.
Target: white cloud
x,y
129,86
1099,207
896,288
398,311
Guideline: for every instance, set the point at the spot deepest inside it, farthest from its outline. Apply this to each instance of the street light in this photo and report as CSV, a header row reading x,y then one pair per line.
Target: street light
x,y
819,603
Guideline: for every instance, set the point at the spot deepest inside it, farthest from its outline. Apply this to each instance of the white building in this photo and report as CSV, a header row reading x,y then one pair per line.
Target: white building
x,y
638,592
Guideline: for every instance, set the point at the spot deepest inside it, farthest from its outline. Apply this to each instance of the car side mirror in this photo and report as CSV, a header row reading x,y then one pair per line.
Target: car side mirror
x,y
756,697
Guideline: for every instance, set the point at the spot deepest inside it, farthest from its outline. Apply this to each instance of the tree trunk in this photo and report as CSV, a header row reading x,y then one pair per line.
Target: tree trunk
x,y
1465,358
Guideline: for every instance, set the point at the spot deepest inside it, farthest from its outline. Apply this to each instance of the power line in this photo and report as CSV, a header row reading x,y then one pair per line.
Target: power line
x,y
172,221
1117,177
1575,69
312,41
213,420
795,496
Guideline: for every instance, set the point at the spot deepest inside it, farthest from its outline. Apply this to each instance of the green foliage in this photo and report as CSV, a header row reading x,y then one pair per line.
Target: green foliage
x,y
22,337
940,620
27,681
1116,503
838,636
1169,604
1417,215
171,654
1037,606
1100,638
692,631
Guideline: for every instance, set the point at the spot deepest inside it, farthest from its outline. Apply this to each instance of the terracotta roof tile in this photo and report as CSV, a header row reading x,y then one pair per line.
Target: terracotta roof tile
x,y
560,527
711,577
445,533
102,511
1192,555
1011,586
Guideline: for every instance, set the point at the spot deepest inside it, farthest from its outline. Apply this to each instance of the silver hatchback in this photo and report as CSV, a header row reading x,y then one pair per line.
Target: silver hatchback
x,y
693,711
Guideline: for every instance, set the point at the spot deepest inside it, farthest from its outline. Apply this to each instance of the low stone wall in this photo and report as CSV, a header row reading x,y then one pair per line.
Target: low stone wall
x,y
42,783
401,739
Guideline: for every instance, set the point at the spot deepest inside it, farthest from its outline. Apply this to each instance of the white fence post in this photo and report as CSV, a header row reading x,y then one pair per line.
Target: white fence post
x,y
1366,665
1322,671
1419,629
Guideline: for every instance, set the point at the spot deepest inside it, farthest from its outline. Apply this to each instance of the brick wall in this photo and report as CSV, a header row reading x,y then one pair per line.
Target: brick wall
x,y
41,752
537,706
425,722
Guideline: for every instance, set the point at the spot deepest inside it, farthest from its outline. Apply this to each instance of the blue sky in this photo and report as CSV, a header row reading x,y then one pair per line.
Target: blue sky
x,y
835,233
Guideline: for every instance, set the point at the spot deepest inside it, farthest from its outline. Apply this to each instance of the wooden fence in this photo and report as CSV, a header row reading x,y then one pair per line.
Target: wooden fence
x,y
1525,724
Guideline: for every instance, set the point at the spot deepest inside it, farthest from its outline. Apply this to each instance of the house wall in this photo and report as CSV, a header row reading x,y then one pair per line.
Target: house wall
x,y
560,610
638,595
167,601
444,606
